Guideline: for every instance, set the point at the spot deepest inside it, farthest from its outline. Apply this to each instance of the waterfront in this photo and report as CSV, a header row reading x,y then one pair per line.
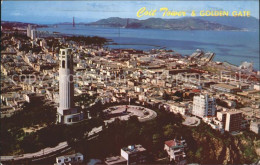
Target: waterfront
x,y
231,46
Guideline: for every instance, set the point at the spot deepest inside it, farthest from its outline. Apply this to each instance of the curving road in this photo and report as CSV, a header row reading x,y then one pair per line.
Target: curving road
x,y
133,111
40,153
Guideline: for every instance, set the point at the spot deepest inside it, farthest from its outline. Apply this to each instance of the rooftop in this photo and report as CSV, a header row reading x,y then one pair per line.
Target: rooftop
x,y
225,86
175,143
233,112
134,148
170,143
115,160
69,156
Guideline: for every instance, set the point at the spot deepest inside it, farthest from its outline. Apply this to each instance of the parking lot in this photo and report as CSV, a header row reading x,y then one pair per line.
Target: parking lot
x,y
123,112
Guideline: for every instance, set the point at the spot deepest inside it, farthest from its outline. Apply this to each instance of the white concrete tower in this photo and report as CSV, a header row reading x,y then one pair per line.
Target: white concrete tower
x,y
66,112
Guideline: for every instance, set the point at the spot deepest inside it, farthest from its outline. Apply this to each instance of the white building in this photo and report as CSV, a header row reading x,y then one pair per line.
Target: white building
x,y
43,43
19,45
134,154
69,159
29,28
257,87
66,112
204,106
181,108
176,150
33,34
255,127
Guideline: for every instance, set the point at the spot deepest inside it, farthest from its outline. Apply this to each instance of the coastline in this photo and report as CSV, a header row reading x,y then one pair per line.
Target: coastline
x,y
125,42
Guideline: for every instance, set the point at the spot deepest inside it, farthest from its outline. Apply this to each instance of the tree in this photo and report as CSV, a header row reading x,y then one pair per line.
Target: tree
x,y
156,138
168,131
166,96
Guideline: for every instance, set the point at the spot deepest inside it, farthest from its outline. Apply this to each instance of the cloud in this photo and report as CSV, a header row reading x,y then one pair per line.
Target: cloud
x,y
16,14
214,8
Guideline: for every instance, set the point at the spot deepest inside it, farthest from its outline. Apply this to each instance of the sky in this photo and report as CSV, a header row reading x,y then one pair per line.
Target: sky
x,y
89,11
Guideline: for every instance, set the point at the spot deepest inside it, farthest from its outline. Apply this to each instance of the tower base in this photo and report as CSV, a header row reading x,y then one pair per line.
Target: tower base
x,y
70,117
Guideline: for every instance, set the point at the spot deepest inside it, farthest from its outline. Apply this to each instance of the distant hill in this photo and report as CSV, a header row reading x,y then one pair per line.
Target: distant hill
x,y
186,23
249,23
11,24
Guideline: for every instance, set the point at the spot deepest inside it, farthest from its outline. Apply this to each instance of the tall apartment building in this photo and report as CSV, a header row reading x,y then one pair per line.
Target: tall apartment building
x,y
33,34
29,28
233,121
204,106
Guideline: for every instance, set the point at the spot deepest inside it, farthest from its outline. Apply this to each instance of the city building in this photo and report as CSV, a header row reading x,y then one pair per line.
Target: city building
x,y
67,113
221,116
255,127
77,158
176,150
181,107
43,43
204,106
115,160
257,87
233,121
29,28
33,34
225,88
134,154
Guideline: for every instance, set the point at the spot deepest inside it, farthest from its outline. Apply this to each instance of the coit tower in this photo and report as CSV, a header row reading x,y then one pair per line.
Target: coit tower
x,y
67,113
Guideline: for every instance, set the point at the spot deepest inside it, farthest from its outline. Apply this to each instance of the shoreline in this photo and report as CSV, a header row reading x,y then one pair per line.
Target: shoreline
x,y
114,43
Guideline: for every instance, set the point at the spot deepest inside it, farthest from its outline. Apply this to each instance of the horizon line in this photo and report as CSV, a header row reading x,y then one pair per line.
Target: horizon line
x,y
125,18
